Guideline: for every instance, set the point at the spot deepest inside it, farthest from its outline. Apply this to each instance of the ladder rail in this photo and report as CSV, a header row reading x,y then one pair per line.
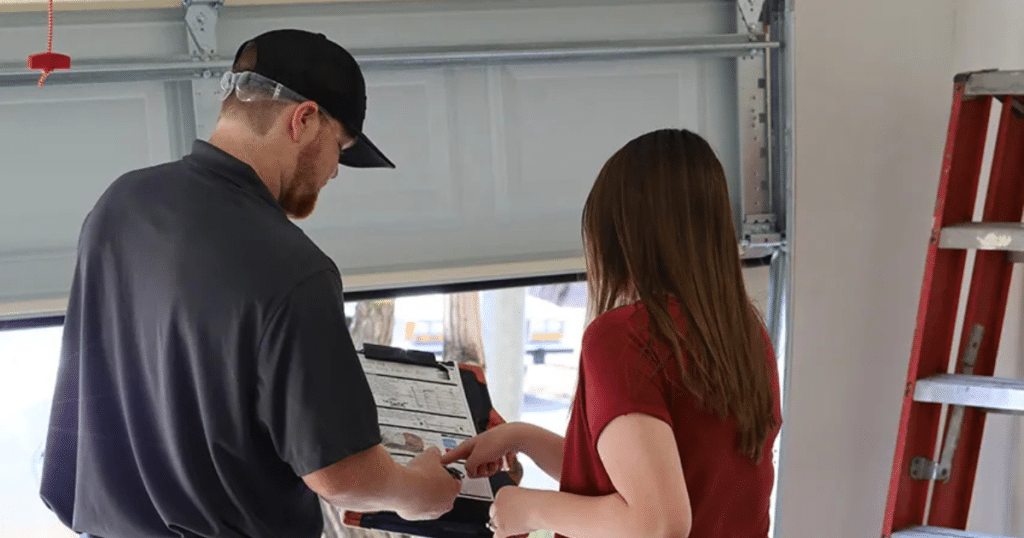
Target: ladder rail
x,y
986,305
918,426
971,391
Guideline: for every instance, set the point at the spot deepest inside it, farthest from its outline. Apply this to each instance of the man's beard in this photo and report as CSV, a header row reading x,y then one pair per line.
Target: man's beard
x,y
298,198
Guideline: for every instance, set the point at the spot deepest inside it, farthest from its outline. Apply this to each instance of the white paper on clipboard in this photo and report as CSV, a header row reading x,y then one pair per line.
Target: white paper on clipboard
x,y
423,406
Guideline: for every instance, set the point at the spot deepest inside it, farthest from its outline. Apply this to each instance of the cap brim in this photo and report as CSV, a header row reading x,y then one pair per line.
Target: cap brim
x,y
363,154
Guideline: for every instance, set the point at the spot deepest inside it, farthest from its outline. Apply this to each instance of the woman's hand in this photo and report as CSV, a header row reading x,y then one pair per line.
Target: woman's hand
x,y
488,452
511,512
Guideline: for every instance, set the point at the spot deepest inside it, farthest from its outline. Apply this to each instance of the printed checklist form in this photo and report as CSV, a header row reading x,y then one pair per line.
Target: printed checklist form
x,y
420,406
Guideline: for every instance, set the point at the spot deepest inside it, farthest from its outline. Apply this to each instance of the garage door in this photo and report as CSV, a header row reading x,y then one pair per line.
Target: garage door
x,y
498,118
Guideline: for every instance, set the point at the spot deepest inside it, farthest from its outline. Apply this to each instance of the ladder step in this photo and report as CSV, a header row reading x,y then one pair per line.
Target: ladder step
x,y
984,236
939,532
994,83
989,393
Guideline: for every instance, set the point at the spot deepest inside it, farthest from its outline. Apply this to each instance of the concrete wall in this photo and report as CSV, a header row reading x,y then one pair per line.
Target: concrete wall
x,y
873,88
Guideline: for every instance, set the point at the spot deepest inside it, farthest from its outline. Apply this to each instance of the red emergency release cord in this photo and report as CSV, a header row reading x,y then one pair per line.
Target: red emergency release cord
x,y
49,28
49,40
48,61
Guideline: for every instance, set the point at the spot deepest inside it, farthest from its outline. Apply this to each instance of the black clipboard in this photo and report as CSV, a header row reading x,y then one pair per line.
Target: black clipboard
x,y
469,517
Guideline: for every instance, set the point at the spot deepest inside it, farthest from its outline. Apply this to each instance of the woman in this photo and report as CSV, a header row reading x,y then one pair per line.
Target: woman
x,y
677,406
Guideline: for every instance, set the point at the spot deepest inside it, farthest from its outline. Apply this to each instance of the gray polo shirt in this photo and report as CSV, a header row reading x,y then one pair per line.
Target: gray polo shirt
x,y
206,364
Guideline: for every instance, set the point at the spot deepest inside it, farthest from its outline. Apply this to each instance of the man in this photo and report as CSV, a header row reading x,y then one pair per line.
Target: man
x,y
208,386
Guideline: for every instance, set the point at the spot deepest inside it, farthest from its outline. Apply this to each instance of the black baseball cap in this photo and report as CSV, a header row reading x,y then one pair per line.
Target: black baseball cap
x,y
322,71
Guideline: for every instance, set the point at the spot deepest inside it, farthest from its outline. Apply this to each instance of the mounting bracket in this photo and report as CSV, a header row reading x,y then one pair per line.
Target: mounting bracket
x,y
201,18
750,12
924,468
201,25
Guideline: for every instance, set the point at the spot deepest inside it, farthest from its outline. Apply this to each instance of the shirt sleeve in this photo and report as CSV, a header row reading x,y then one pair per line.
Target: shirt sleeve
x,y
313,396
618,378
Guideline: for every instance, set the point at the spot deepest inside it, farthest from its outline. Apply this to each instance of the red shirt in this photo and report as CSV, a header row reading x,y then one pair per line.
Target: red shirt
x,y
729,493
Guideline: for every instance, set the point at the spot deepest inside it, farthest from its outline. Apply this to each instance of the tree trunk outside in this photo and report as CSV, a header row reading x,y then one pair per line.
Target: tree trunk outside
x,y
373,323
464,339
463,333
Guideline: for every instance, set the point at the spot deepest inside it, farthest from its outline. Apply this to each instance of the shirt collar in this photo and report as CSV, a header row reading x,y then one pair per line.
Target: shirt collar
x,y
224,165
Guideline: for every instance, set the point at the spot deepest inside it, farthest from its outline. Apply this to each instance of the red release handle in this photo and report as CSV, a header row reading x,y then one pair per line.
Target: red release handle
x,y
48,61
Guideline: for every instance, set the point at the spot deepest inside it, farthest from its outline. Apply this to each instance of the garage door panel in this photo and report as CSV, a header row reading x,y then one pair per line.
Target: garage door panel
x,y
62,147
429,247
719,119
152,34
495,162
495,157
562,121
408,119
36,275
384,25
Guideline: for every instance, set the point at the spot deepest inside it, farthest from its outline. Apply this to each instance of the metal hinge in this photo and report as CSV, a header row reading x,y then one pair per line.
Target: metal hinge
x,y
760,236
760,228
750,12
922,468
201,27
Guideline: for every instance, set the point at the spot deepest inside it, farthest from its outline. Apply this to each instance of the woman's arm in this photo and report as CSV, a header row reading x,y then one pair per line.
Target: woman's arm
x,y
640,455
483,453
545,448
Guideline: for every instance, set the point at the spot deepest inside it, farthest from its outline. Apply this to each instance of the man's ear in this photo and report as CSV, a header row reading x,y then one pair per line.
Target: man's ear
x,y
305,122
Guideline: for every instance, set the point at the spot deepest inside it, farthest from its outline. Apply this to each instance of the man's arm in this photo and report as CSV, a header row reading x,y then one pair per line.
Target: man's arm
x,y
318,409
371,481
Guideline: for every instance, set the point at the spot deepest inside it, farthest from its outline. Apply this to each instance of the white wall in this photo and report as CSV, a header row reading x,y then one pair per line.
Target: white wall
x,y
873,89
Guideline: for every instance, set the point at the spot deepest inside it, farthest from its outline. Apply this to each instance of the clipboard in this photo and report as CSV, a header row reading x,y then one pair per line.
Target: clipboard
x,y
422,402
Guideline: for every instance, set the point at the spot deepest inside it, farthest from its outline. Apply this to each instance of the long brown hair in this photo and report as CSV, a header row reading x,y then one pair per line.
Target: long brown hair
x,y
658,224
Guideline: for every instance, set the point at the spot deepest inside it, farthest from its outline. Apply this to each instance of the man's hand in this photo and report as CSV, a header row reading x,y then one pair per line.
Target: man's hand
x,y
437,488
487,453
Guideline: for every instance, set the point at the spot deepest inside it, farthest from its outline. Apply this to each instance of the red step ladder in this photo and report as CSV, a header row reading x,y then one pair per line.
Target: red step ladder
x,y
971,391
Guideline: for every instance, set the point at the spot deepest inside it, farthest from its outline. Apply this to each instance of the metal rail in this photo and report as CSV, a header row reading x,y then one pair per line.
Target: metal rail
x,y
183,68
